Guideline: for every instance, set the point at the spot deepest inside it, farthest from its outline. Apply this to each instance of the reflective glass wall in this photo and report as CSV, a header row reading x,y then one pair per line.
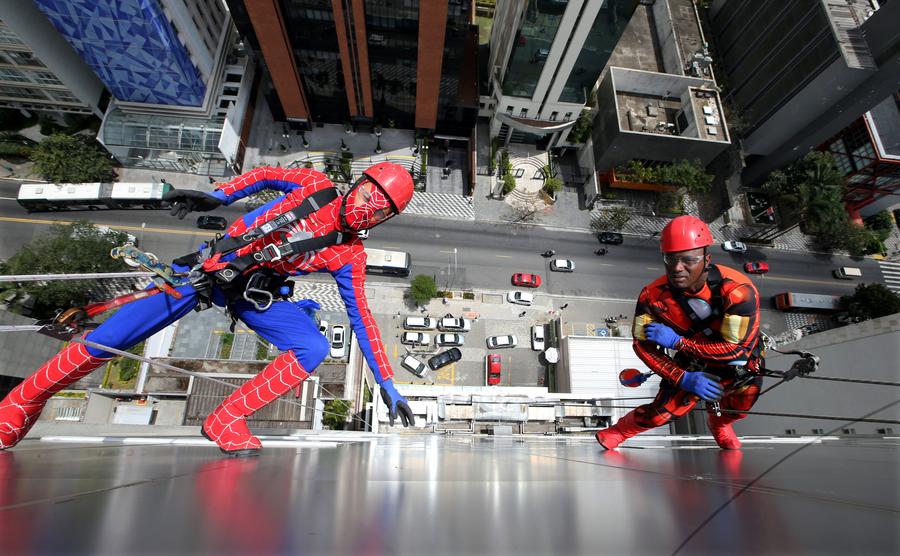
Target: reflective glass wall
x,y
537,30
598,47
393,35
311,31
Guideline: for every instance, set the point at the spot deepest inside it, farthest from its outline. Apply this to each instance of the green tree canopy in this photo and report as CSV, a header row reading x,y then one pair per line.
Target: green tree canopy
x,y
335,415
810,191
71,159
76,248
871,301
423,288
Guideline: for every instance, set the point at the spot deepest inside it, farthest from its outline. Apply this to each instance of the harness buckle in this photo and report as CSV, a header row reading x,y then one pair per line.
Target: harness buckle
x,y
269,253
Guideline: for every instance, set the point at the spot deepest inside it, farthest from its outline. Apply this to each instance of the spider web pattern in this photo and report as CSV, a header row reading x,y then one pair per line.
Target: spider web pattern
x,y
227,426
345,262
21,408
362,217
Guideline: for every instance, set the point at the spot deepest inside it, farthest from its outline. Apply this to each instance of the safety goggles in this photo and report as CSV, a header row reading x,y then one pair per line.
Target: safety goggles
x,y
673,260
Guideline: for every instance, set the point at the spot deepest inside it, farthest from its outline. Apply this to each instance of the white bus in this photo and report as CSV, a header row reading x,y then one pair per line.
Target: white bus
x,y
37,197
388,263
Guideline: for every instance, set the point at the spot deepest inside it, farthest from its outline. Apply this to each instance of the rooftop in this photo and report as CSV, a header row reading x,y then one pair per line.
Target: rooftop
x,y
348,493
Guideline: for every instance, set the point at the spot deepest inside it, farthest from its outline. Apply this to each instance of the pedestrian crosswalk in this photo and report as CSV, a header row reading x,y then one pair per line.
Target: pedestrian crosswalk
x,y
891,273
441,204
325,294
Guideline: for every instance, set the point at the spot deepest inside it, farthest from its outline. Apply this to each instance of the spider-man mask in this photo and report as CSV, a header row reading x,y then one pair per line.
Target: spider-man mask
x,y
365,206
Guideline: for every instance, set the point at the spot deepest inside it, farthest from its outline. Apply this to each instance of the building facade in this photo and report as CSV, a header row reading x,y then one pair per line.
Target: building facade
x,y
546,57
41,71
405,64
868,153
798,72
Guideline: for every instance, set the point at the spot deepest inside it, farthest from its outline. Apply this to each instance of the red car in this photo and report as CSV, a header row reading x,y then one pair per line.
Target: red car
x,y
492,364
756,267
526,280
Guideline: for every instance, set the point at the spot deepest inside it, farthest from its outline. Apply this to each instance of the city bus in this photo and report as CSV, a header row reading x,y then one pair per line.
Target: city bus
x,y
387,263
38,197
812,302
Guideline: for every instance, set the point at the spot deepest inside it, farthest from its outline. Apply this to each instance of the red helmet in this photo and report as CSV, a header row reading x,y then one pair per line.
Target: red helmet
x,y
685,233
396,182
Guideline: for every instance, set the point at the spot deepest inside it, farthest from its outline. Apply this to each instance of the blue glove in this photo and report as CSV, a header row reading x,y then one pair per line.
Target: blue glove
x,y
396,404
662,335
703,384
309,306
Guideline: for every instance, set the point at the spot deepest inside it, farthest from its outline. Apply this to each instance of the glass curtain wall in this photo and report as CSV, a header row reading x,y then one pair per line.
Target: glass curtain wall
x,y
393,40
311,31
605,32
458,98
534,38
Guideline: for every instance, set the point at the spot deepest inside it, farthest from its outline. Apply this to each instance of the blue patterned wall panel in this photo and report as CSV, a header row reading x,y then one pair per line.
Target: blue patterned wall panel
x,y
131,47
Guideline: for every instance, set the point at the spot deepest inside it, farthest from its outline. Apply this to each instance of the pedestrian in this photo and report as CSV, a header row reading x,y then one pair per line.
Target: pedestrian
x,y
522,314
709,315
564,306
257,251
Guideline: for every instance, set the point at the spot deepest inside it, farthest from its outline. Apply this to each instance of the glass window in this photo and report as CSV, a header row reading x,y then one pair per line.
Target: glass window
x,y
7,74
21,92
8,37
63,96
24,58
553,116
509,110
531,48
46,78
523,113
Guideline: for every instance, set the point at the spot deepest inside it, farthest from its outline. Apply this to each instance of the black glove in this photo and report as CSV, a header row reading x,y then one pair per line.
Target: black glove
x,y
396,404
187,200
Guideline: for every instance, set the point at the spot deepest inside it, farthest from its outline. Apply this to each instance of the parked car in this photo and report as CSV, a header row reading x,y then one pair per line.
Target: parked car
x,y
452,324
414,366
756,267
734,247
495,342
415,338
449,339
610,238
207,222
537,337
562,265
338,342
492,367
418,323
526,280
323,327
444,358
520,298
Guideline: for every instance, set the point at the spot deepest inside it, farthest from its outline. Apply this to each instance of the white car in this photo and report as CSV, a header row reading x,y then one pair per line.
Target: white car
x,y
418,323
415,338
338,342
520,298
495,342
537,337
323,327
444,340
734,247
562,265
451,324
414,366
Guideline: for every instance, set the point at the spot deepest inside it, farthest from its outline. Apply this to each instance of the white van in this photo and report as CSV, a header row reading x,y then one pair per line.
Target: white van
x,y
847,273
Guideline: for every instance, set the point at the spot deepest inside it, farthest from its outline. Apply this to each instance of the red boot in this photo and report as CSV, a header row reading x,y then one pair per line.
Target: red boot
x,y
721,430
610,438
227,426
21,408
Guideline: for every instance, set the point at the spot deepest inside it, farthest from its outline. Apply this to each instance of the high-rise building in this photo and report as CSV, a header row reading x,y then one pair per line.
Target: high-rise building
x,y
179,80
868,153
798,72
405,63
39,70
545,59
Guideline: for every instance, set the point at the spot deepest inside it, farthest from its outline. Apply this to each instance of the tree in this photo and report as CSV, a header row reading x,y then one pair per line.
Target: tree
x,y
76,248
553,185
423,288
871,301
881,223
583,127
335,415
617,217
509,183
71,159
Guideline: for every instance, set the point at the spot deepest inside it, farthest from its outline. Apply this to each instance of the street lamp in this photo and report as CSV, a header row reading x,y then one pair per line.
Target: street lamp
x,y
455,268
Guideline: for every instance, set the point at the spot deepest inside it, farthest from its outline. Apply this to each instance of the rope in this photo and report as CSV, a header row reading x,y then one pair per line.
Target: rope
x,y
43,277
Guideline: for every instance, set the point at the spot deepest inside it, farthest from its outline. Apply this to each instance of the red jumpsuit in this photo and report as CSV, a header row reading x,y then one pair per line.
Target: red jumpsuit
x,y
733,338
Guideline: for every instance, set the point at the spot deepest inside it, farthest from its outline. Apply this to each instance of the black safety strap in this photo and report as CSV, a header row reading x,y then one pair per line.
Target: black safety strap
x,y
309,205
714,281
273,252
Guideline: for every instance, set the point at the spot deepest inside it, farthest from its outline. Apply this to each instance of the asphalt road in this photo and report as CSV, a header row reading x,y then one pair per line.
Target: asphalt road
x,y
485,256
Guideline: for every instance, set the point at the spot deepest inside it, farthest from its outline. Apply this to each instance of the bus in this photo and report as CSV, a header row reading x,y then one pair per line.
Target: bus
x,y
39,197
387,263
813,302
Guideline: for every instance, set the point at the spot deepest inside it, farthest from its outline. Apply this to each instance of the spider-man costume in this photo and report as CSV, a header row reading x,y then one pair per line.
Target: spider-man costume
x,y
714,327
384,190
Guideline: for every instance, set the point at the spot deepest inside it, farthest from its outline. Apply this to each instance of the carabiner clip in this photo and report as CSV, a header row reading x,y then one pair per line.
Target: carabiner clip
x,y
258,304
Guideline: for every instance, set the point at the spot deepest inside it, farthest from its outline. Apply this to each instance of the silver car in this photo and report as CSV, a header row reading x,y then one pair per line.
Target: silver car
x,y
415,338
414,366
449,340
497,342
